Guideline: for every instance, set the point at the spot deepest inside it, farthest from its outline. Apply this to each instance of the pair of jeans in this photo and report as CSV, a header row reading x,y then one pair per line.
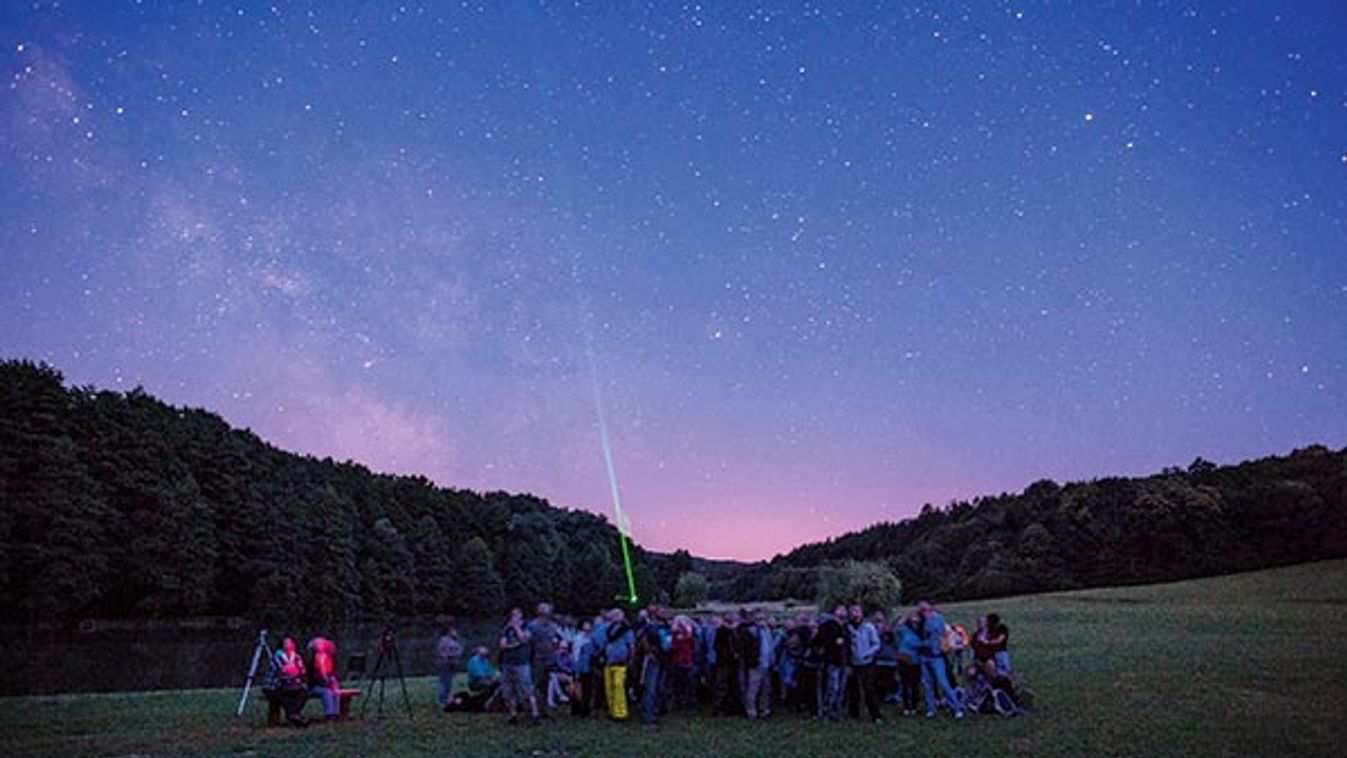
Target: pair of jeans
x,y
685,688
444,687
650,691
331,702
758,692
865,688
1002,660
910,676
933,675
832,682
724,689
583,701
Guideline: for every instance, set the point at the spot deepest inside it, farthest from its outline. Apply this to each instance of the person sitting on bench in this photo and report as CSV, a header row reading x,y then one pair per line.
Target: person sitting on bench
x,y
284,682
323,683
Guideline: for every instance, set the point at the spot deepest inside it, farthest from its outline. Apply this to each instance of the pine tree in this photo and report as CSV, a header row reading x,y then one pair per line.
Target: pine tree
x,y
481,591
55,519
434,565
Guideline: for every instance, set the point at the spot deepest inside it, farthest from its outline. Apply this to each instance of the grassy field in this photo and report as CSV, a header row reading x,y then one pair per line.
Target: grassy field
x,y
1246,665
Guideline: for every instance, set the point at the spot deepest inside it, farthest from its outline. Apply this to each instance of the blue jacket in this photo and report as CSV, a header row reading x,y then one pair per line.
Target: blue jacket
x,y
584,650
619,647
934,627
864,643
909,642
708,634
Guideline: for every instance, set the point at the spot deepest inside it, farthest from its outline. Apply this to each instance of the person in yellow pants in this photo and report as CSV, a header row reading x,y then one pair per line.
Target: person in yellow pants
x,y
615,689
621,643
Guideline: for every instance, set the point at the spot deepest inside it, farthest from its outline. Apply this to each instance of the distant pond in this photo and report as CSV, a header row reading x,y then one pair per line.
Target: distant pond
x,y
124,656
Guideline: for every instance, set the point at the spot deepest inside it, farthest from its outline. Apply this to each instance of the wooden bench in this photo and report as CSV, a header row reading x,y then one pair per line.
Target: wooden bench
x,y
346,695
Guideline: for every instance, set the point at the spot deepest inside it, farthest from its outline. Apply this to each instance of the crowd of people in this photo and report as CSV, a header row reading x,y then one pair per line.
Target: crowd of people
x,y
741,663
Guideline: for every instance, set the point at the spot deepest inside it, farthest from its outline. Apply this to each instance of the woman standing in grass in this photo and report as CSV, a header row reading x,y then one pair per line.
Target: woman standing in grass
x,y
909,661
683,662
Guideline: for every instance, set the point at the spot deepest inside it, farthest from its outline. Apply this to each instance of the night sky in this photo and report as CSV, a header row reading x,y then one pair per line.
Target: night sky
x,y
830,262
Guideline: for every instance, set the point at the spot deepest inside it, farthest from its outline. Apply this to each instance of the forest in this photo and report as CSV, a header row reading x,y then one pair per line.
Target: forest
x,y
1204,520
117,505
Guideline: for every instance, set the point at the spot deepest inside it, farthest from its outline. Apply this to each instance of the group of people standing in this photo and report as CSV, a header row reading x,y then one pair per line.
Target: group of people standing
x,y
743,662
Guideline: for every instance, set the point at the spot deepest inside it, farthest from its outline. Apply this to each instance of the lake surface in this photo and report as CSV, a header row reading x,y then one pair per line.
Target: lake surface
x,y
45,661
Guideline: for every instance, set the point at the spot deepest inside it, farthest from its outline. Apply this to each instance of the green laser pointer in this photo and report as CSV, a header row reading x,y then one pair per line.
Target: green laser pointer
x,y
612,478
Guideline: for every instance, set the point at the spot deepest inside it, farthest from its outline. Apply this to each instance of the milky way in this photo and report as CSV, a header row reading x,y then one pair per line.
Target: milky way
x,y
832,262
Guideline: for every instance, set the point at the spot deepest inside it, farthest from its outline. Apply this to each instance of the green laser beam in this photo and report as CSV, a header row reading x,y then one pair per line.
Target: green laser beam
x,y
537,36
612,478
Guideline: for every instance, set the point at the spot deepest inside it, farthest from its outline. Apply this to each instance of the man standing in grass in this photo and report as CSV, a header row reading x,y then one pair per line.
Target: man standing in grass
x,y
448,657
543,634
758,655
833,643
933,672
515,654
583,645
726,670
864,646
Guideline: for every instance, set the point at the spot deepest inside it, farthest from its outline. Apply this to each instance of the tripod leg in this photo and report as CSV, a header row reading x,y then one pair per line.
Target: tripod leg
x,y
252,674
406,701
373,680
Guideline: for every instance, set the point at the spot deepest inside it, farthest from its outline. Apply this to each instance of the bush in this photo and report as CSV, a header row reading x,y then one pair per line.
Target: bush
x,y
691,589
871,584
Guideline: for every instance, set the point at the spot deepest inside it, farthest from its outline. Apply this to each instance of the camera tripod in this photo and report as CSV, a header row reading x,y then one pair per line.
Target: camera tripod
x,y
263,648
378,678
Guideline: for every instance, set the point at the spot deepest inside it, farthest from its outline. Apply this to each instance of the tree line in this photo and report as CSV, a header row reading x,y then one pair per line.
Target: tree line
x,y
1181,523
117,505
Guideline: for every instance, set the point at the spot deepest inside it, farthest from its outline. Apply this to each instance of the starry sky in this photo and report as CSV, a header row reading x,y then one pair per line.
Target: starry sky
x,y
829,261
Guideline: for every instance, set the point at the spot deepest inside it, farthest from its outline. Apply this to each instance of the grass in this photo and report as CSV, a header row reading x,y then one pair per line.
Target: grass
x,y
1234,666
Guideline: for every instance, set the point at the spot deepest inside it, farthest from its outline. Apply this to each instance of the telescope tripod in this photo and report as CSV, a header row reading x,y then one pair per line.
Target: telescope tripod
x,y
263,648
386,657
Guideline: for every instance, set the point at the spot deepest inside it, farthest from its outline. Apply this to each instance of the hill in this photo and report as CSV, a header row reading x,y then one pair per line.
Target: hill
x,y
117,505
1180,523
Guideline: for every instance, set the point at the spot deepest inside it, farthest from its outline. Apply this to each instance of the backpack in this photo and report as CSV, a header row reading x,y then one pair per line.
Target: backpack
x,y
949,640
1003,703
